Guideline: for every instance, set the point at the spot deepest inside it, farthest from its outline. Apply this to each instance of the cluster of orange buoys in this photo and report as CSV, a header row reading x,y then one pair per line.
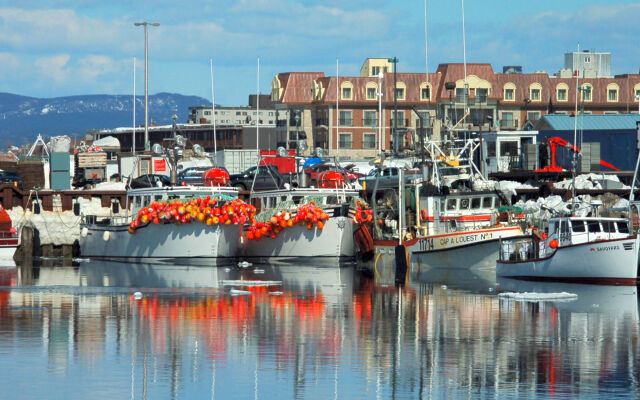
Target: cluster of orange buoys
x,y
363,214
306,215
206,210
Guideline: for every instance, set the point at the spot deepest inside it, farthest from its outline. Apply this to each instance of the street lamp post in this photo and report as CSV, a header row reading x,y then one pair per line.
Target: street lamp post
x,y
380,131
146,79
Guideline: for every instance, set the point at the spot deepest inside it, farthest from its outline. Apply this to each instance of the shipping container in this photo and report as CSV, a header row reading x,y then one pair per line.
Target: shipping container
x,y
237,161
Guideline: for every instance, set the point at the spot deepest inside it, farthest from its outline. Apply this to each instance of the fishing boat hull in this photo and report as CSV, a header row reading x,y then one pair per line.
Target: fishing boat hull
x,y
609,261
456,250
334,241
194,244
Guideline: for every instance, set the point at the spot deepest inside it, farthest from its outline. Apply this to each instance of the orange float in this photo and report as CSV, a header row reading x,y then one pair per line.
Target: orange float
x,y
330,180
215,177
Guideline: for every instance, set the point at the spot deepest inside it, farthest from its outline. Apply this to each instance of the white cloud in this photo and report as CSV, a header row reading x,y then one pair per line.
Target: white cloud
x,y
54,67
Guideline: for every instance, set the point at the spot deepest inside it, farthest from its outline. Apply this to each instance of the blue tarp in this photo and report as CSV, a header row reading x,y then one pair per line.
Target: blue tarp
x,y
311,161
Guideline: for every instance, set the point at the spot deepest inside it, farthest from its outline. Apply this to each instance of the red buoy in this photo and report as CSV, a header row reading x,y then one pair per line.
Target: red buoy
x,y
215,177
330,180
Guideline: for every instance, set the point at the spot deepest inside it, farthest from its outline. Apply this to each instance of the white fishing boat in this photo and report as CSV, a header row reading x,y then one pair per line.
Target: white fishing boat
x,y
333,239
111,238
577,249
437,220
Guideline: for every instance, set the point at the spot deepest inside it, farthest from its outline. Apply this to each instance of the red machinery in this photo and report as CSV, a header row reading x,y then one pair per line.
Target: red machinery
x,y
554,142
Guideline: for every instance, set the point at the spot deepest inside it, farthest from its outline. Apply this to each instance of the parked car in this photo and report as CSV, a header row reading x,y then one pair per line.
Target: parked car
x,y
268,178
150,180
387,178
11,178
193,175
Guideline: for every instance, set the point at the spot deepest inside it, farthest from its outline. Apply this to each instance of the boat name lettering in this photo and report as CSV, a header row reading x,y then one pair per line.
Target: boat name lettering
x,y
426,244
605,248
461,239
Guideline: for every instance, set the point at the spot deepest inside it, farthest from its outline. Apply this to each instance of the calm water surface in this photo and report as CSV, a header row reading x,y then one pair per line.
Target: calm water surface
x,y
325,332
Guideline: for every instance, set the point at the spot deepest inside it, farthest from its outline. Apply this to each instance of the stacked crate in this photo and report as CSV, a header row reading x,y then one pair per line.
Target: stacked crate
x,y
590,157
60,176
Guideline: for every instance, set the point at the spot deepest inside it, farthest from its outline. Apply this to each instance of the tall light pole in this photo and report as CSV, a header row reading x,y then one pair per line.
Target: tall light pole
x,y
380,132
146,79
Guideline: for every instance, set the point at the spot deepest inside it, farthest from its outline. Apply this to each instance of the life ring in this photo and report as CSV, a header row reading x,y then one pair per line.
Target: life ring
x,y
424,216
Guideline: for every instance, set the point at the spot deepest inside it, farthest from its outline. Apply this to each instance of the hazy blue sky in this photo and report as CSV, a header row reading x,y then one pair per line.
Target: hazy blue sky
x,y
66,47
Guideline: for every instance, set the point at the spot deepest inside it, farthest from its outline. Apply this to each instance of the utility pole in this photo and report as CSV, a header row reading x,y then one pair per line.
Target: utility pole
x,y
146,79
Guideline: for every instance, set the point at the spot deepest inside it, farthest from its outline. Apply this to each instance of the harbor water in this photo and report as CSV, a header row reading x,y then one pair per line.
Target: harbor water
x,y
104,330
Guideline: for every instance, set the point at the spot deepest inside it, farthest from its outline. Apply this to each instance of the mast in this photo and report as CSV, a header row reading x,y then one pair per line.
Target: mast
x,y
213,111
133,146
575,136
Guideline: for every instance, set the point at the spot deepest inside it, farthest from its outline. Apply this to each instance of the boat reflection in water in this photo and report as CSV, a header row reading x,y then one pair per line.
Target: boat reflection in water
x,y
320,332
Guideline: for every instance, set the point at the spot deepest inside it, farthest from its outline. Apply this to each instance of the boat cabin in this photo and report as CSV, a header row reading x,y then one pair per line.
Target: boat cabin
x,y
272,199
139,198
575,230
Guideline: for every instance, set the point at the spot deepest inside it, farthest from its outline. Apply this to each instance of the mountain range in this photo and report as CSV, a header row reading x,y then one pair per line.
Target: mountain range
x,y
22,117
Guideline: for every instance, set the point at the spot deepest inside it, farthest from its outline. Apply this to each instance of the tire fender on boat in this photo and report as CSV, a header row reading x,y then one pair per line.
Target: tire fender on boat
x,y
84,232
106,235
424,215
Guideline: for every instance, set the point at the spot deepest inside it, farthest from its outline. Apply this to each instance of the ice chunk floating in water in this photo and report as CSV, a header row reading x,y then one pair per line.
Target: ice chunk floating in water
x,y
526,296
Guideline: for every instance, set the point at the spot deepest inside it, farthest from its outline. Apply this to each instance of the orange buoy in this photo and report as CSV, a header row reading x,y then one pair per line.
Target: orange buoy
x,y
215,177
553,244
330,180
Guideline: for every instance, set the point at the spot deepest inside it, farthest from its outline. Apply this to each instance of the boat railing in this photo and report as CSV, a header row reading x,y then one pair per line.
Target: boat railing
x,y
520,249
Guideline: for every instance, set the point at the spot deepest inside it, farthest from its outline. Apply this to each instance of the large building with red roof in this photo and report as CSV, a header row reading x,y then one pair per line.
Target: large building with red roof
x,y
341,114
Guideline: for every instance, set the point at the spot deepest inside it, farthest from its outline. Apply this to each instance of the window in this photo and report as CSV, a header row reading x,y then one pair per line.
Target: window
x,y
345,118
425,118
368,140
562,94
533,115
487,202
460,95
271,113
622,227
481,95
464,204
594,226
401,120
608,226
400,93
612,92
346,93
508,148
578,226
507,120
586,92
371,93
345,140
491,149
451,204
375,71
535,94
207,113
475,203
509,94
637,96
369,118
587,59
238,113
425,93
